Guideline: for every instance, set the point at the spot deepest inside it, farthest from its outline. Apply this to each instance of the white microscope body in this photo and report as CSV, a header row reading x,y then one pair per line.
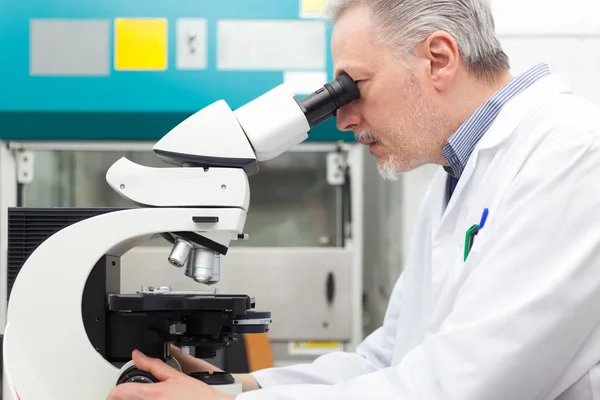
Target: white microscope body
x,y
199,203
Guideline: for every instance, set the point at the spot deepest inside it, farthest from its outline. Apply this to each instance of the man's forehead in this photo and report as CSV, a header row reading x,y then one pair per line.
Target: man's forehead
x,y
354,56
352,44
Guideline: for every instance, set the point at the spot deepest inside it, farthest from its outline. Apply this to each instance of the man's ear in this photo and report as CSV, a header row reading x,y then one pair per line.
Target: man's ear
x,y
443,55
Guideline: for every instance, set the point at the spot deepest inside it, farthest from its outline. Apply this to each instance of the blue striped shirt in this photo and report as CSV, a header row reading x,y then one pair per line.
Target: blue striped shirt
x,y
460,145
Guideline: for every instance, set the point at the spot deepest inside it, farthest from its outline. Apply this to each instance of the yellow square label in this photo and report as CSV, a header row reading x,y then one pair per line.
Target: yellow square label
x,y
312,7
141,44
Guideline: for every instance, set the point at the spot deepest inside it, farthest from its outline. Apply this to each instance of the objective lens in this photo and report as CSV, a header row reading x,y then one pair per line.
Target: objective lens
x,y
200,265
180,253
216,271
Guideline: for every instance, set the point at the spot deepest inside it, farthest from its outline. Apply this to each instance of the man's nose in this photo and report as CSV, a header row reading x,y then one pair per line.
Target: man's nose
x,y
347,118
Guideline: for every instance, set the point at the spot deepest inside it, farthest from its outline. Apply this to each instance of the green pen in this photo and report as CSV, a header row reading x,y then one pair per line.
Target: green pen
x,y
470,238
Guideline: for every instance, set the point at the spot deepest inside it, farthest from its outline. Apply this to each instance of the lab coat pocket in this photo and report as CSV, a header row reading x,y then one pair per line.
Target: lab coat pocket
x,y
478,248
477,244
480,240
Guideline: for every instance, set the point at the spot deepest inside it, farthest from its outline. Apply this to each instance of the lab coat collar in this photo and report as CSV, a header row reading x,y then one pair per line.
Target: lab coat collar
x,y
517,108
502,128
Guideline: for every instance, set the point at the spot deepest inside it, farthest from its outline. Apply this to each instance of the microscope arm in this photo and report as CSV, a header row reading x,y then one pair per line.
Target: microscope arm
x,y
45,333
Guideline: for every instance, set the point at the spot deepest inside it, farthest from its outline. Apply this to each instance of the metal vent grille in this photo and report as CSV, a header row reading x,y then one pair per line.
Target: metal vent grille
x,y
30,227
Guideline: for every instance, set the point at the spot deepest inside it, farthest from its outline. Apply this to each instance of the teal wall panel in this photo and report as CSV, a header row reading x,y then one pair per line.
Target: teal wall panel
x,y
128,105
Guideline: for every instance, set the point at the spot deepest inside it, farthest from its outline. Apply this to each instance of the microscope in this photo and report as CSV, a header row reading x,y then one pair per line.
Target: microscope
x,y
70,332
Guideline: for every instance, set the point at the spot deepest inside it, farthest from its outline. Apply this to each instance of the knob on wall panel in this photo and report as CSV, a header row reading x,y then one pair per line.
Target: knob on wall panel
x,y
191,43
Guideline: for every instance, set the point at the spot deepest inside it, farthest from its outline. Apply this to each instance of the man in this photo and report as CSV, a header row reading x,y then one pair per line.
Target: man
x,y
500,298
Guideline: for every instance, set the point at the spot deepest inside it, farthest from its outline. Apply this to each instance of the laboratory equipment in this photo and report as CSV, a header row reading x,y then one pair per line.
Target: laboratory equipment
x,y
91,82
69,282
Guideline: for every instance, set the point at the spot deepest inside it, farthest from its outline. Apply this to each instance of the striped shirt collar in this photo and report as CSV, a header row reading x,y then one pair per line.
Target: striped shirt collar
x,y
460,145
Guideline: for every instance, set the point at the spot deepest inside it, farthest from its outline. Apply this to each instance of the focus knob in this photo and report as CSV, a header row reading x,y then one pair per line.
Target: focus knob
x,y
134,375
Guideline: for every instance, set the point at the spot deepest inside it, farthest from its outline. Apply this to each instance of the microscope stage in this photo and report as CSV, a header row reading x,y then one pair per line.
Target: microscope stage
x,y
205,320
186,301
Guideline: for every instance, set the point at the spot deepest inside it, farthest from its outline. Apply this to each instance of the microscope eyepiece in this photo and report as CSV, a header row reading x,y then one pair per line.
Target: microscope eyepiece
x,y
323,104
343,89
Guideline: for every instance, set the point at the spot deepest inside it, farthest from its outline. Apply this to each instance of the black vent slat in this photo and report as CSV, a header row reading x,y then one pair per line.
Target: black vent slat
x,y
29,227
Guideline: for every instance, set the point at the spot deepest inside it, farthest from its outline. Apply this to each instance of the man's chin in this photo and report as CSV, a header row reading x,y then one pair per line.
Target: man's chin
x,y
391,168
388,171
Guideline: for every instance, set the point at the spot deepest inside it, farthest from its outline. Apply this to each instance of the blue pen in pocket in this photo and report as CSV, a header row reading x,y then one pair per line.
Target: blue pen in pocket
x,y
483,218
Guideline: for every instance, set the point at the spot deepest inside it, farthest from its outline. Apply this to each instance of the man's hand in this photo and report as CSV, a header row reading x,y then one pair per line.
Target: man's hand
x,y
172,385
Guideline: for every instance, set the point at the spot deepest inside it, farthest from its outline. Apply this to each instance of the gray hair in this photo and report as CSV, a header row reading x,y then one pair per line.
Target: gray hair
x,y
404,24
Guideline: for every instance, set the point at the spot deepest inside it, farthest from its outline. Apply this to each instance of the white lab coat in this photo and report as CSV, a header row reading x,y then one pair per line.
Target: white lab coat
x,y
520,319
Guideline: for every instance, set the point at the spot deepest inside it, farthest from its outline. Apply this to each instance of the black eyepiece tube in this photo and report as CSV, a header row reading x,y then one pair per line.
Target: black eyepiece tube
x,y
323,104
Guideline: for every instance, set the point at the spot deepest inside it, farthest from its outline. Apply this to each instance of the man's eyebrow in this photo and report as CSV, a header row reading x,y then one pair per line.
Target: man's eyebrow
x,y
350,70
